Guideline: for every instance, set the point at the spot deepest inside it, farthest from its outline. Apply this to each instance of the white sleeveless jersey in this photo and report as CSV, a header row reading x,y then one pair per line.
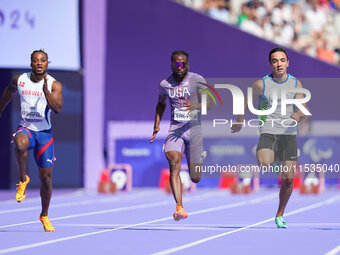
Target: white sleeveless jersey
x,y
35,112
276,123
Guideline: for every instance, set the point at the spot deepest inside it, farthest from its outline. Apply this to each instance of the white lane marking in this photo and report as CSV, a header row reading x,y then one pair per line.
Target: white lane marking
x,y
236,224
158,227
71,204
29,246
120,209
335,251
142,206
108,199
188,199
35,199
303,209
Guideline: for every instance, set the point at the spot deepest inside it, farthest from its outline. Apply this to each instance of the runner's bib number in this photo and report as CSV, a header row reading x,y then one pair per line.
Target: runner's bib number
x,y
32,113
181,115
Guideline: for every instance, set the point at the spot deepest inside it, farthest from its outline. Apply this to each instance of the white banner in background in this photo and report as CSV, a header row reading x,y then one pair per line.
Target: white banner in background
x,y
28,25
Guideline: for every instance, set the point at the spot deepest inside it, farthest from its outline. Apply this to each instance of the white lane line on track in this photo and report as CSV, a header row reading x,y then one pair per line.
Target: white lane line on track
x,y
71,204
105,200
303,209
315,224
37,199
74,194
81,192
237,204
328,224
120,209
153,227
335,251
127,208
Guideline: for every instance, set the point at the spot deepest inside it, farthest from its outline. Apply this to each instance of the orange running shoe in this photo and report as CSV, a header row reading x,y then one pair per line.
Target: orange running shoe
x,y
21,194
180,213
46,223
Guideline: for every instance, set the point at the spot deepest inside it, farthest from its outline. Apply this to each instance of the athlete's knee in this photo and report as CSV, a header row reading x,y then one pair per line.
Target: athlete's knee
x,y
265,157
174,163
21,144
46,180
265,162
287,180
46,183
174,160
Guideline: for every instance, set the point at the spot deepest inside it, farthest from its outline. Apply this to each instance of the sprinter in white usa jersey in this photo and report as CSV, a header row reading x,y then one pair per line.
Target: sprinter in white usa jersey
x,y
277,139
39,94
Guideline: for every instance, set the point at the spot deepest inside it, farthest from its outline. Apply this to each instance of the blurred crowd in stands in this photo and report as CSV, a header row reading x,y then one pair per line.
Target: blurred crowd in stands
x,y
308,26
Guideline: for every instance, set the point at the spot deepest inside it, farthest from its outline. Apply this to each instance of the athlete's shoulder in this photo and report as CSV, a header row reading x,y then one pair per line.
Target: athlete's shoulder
x,y
163,83
258,83
196,78
162,86
23,76
261,83
166,82
266,77
258,87
292,77
13,85
195,75
294,80
16,78
51,78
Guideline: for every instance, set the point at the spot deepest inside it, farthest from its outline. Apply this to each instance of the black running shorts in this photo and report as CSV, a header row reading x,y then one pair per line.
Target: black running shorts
x,y
284,146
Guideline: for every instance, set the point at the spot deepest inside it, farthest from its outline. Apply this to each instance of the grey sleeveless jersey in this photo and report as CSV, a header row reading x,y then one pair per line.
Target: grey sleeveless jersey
x,y
276,123
177,92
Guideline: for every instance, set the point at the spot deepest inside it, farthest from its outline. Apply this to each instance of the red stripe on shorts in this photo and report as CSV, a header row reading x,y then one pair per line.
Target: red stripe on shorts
x,y
44,148
27,131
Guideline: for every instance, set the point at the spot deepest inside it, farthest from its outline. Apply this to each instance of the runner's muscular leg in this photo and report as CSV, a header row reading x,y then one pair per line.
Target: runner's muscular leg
x,y
21,145
45,175
287,185
175,158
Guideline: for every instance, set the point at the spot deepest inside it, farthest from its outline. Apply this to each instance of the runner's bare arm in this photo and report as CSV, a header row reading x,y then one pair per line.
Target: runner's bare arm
x,y
299,115
160,108
54,98
8,92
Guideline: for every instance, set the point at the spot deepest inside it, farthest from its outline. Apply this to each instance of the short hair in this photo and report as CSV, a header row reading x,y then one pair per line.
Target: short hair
x,y
179,52
36,51
277,49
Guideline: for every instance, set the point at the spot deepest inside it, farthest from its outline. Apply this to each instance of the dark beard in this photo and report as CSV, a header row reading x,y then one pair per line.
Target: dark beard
x,y
179,78
35,75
